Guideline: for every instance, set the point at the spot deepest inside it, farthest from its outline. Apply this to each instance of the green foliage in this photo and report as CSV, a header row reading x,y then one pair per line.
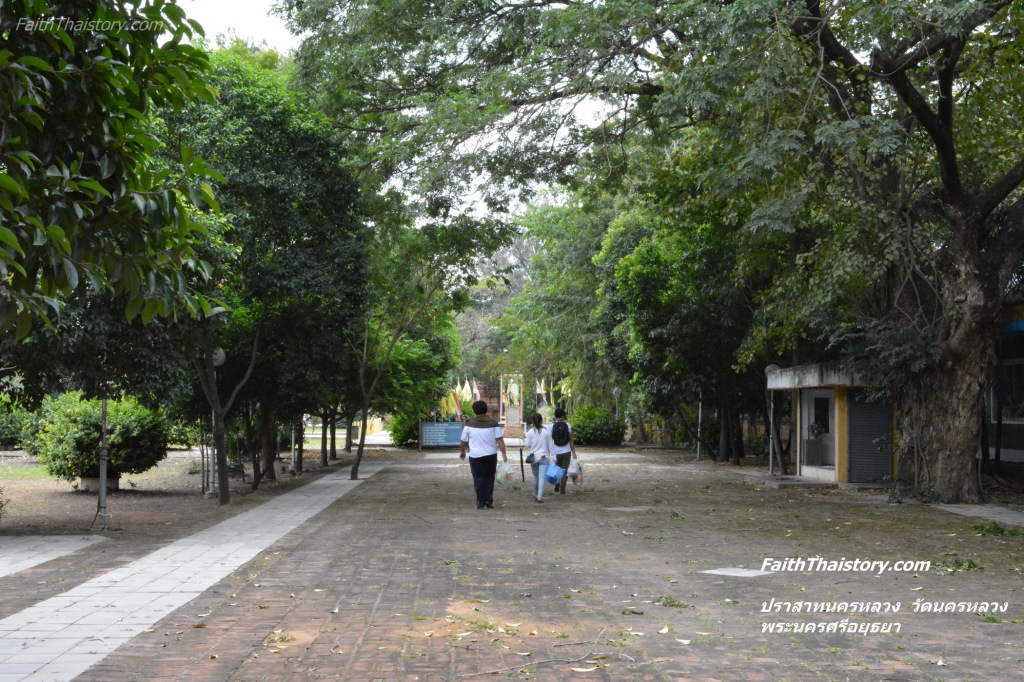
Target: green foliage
x,y
93,347
187,434
291,259
809,170
31,427
418,374
12,421
552,327
81,202
69,440
597,427
405,427
996,528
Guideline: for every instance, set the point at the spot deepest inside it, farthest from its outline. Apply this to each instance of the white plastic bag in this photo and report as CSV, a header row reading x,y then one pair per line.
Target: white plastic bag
x,y
503,473
576,472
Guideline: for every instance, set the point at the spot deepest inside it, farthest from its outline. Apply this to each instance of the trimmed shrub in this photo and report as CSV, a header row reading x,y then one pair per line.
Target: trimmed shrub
x,y
69,440
596,427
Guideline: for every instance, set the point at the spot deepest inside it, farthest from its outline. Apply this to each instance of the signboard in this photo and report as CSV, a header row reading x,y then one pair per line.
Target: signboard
x,y
440,434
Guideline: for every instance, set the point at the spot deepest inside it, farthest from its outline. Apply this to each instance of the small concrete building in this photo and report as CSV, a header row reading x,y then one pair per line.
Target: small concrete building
x,y
840,436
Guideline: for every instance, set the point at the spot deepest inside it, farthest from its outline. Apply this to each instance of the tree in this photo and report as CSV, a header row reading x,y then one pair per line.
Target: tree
x,y
864,131
92,347
80,201
553,330
293,268
419,275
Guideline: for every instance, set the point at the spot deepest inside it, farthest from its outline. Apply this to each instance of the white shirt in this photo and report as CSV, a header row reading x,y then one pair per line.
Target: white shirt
x,y
482,442
539,442
559,449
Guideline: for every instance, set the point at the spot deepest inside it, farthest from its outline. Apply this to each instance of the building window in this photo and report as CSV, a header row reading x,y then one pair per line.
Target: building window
x,y
822,417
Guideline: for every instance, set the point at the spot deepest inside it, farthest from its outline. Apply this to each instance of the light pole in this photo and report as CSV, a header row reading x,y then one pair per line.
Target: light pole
x,y
218,356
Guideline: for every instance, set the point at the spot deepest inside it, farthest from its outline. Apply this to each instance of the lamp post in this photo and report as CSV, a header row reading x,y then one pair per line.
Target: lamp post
x,y
616,392
218,357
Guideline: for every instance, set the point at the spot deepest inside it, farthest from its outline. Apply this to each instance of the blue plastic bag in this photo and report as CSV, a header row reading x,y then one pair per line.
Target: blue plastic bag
x,y
554,474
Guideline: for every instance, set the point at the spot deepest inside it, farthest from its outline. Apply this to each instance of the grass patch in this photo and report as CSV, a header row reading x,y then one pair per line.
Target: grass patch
x,y
22,472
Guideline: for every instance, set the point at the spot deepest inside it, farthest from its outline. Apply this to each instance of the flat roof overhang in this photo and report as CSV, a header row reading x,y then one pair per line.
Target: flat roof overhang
x,y
823,375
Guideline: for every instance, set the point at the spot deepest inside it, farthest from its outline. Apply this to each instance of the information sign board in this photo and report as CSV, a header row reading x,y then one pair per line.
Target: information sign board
x,y
440,434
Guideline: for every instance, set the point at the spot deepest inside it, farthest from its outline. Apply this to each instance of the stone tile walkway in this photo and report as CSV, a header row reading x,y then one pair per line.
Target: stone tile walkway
x,y
18,553
650,571
61,637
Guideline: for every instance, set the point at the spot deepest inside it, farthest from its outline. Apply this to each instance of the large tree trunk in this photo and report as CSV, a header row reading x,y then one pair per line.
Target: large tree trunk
x,y
221,443
774,423
334,433
268,441
737,435
362,442
938,419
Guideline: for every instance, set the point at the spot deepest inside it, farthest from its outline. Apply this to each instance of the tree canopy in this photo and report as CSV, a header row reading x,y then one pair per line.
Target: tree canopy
x,y
871,150
80,200
293,270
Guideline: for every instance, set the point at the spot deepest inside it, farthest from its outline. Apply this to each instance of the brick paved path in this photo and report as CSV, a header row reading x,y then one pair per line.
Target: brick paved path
x,y
401,579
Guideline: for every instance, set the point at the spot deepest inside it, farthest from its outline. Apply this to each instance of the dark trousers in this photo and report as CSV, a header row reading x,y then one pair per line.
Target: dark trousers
x,y
563,459
483,470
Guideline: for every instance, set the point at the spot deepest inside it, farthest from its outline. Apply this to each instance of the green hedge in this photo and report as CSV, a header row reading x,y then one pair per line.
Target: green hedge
x,y
69,437
596,427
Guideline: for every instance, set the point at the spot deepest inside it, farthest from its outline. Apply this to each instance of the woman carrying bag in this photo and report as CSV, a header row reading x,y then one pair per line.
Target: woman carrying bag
x,y
538,440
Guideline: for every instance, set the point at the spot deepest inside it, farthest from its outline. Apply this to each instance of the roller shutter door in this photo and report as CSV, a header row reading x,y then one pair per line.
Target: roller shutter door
x,y
870,440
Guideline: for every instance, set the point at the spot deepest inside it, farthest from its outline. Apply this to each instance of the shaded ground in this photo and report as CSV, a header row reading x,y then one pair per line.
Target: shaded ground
x,y
403,580
167,500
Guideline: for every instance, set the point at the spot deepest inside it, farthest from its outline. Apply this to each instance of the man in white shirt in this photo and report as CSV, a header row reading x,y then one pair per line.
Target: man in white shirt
x,y
484,437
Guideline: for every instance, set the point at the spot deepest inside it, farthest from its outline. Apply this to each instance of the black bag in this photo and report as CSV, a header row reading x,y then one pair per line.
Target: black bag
x,y
560,433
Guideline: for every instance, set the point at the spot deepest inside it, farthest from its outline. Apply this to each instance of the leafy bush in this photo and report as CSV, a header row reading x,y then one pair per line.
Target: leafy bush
x,y
404,428
69,440
184,433
31,427
12,420
596,427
